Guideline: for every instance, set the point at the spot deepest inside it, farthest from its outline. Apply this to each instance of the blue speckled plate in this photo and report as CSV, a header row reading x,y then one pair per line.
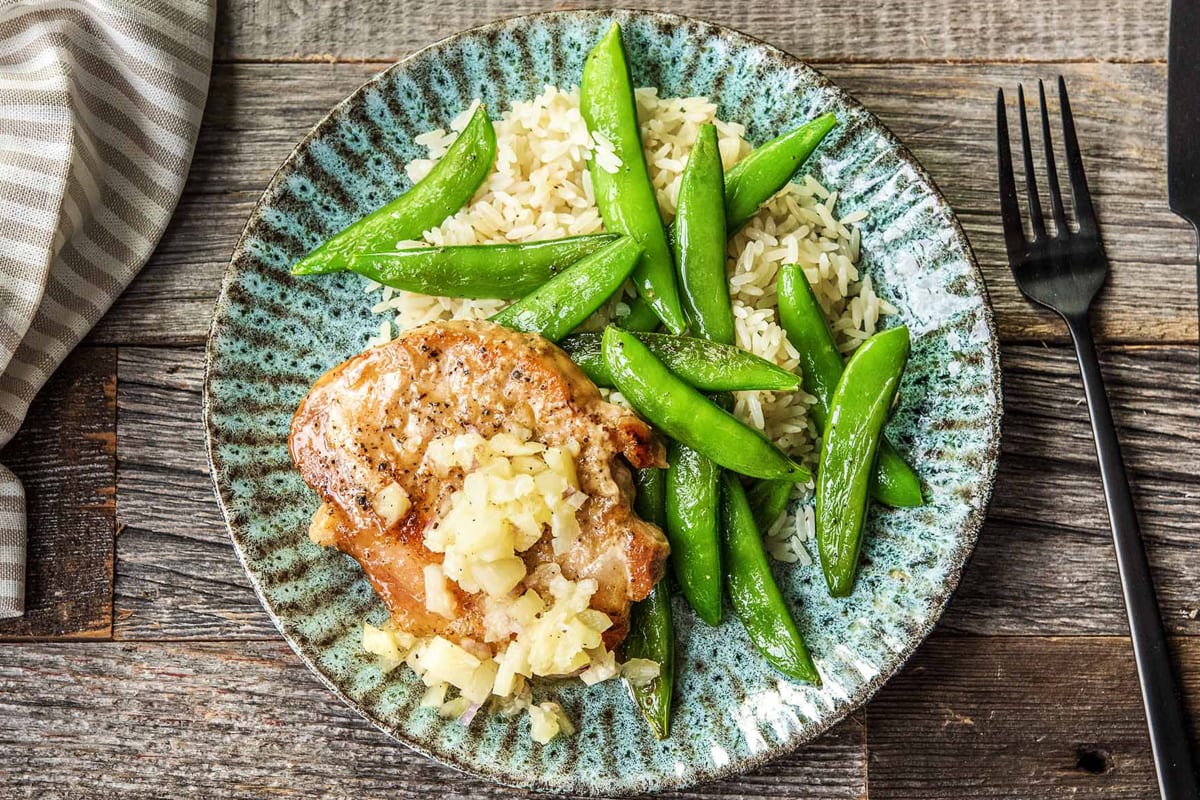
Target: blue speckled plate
x,y
272,335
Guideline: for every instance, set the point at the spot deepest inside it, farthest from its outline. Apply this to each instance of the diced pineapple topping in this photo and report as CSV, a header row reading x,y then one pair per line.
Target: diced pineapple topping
x,y
323,530
640,671
390,646
391,503
434,696
547,720
453,709
439,660
512,491
560,637
438,597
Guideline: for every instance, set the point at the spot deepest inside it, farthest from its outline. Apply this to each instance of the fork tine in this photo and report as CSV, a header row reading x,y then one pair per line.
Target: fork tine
x,y
1084,212
1010,211
1056,203
1035,204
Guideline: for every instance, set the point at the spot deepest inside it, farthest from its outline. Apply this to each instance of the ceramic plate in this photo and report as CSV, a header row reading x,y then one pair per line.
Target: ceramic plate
x,y
273,335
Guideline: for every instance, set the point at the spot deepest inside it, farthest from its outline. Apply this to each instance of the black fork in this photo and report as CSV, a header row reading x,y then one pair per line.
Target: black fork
x,y
1063,271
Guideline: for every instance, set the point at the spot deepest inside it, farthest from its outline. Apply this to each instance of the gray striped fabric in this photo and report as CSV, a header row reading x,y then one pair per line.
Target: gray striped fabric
x,y
100,104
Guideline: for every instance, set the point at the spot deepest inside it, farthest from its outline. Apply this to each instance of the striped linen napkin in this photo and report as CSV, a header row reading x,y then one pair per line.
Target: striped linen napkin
x,y
100,104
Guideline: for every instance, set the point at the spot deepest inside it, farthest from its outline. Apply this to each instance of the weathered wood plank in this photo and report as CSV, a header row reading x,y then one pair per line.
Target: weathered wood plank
x,y
892,30
1044,563
946,117
995,717
177,574
1015,718
1045,560
65,456
249,720
944,112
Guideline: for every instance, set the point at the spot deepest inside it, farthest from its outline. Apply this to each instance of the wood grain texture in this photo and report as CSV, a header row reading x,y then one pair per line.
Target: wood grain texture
x,y
943,112
65,457
177,575
1015,718
888,30
249,720
946,116
1044,563
202,696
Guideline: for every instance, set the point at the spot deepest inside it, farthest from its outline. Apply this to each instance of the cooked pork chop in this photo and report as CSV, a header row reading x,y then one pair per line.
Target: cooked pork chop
x,y
368,422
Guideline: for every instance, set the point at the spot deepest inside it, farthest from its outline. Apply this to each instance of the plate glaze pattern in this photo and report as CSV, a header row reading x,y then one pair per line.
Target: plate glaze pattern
x,y
273,335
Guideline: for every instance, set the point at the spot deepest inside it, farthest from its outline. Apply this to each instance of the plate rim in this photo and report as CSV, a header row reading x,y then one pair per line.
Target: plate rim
x,y
958,557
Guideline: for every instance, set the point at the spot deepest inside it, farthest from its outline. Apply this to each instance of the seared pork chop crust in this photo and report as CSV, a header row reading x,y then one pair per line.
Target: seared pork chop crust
x,y
367,423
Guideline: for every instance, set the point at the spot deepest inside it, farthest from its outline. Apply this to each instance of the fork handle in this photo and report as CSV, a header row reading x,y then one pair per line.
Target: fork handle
x,y
1173,756
1196,236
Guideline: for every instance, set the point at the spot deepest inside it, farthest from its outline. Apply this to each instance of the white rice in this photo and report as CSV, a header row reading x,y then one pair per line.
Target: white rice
x,y
540,189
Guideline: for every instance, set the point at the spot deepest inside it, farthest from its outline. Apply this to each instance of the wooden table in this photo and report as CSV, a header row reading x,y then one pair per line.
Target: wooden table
x,y
146,667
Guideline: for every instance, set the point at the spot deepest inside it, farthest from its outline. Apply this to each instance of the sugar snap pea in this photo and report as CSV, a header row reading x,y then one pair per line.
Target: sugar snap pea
x,y
568,298
651,631
693,528
626,197
639,317
893,483
446,189
754,181
694,521
652,636
650,501
477,271
752,589
857,412
768,168
693,481
769,500
688,416
765,170
704,365
699,240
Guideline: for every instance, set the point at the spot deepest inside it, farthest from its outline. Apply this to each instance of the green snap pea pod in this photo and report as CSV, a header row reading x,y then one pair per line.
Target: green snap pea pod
x,y
894,483
769,500
694,524
650,503
693,481
699,239
626,197
765,170
859,409
759,177
570,297
651,631
446,189
704,365
641,316
652,636
752,589
693,528
689,417
477,271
